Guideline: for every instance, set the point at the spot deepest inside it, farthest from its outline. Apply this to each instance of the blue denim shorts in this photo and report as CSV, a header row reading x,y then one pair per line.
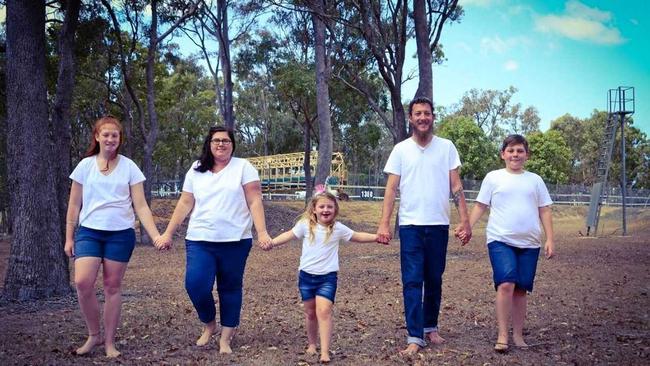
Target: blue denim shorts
x,y
114,245
311,285
514,265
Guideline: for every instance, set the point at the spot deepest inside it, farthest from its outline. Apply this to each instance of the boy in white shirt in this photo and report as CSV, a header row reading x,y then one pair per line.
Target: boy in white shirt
x,y
518,201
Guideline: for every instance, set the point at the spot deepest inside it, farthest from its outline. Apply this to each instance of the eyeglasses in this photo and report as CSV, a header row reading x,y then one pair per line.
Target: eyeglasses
x,y
224,142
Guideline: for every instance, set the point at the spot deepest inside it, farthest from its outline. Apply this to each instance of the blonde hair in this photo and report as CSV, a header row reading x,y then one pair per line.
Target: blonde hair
x,y
310,214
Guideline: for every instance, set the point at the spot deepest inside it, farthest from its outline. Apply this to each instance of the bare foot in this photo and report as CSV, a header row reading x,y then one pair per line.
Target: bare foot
x,y
224,347
111,351
227,334
410,350
519,342
311,350
435,338
208,331
91,342
325,357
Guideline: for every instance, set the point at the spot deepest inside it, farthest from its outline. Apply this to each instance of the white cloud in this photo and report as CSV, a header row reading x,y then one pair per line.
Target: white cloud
x,y
500,46
581,23
511,65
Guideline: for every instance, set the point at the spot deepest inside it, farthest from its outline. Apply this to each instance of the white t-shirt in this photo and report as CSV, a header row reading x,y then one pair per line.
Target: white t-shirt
x,y
424,180
220,212
319,256
106,201
514,201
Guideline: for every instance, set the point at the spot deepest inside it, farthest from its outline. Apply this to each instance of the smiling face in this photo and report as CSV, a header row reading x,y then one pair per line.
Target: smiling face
x,y
421,119
515,156
221,146
108,138
325,210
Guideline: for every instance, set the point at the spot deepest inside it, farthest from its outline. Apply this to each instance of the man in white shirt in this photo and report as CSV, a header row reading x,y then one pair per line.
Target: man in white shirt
x,y
425,169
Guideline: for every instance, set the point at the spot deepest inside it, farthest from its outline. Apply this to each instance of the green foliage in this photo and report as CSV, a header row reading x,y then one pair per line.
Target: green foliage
x,y
550,156
477,153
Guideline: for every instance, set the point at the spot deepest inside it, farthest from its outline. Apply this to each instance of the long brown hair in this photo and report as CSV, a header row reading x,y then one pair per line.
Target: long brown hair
x,y
310,214
93,147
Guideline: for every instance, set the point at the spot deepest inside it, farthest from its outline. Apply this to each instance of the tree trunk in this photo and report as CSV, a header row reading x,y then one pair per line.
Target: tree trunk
x,y
306,165
425,59
226,69
37,265
151,136
324,164
61,140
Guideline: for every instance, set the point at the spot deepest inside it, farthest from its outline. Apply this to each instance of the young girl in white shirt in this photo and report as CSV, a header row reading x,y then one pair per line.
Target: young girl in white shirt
x,y
518,202
319,263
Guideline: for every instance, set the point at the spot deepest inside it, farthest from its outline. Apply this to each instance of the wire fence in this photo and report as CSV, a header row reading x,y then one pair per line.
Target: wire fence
x,y
577,195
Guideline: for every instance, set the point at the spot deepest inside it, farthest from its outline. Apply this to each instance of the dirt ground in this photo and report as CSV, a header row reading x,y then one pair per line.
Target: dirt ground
x,y
590,304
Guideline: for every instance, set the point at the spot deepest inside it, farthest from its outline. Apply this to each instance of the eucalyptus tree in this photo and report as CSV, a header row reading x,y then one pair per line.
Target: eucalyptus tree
x,y
37,266
176,14
214,23
430,16
61,119
494,112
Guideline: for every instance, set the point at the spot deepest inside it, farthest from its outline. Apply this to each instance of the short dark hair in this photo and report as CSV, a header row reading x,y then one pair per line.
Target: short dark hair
x,y
514,139
206,161
420,100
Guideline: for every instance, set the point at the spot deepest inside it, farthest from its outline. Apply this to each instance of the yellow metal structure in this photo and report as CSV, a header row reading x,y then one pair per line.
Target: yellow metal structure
x,y
288,169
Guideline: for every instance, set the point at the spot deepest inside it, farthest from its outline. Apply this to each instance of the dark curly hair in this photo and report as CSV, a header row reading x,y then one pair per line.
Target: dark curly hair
x,y
206,161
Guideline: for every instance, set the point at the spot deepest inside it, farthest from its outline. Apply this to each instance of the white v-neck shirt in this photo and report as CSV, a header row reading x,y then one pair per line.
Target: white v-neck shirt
x,y
106,200
220,212
424,180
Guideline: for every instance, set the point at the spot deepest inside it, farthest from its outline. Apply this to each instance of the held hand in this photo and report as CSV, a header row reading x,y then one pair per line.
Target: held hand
x,y
68,248
264,240
463,232
383,234
549,249
164,241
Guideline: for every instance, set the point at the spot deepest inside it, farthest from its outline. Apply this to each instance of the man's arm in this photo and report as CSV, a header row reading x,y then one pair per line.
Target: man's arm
x,y
383,231
463,230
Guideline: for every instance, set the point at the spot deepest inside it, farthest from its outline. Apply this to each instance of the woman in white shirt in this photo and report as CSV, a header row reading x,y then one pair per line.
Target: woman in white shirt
x,y
224,196
106,187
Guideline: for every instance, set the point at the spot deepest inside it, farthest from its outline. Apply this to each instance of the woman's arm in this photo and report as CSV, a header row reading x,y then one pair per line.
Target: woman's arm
x,y
546,217
253,193
144,212
72,216
184,206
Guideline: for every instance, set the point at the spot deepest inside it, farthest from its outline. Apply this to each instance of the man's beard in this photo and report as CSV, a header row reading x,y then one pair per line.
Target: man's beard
x,y
424,134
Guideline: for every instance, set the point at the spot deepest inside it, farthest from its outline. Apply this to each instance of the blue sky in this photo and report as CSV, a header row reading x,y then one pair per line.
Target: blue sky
x,y
562,56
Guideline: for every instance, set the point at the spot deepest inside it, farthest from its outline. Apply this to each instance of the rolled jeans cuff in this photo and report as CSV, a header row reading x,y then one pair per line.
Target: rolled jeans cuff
x,y
428,330
415,340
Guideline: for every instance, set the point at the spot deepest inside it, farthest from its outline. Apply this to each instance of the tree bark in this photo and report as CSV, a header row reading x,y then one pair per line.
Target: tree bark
x,y
226,69
425,59
324,164
37,265
61,141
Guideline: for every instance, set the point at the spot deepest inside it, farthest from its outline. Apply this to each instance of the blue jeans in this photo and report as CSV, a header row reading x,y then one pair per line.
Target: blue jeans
x,y
423,253
225,262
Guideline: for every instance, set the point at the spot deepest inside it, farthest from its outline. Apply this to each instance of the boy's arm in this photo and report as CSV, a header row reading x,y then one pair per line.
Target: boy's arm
x,y
477,211
282,238
463,230
546,217
361,237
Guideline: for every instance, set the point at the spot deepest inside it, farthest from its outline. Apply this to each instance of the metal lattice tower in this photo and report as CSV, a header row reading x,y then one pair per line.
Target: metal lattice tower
x,y
620,104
